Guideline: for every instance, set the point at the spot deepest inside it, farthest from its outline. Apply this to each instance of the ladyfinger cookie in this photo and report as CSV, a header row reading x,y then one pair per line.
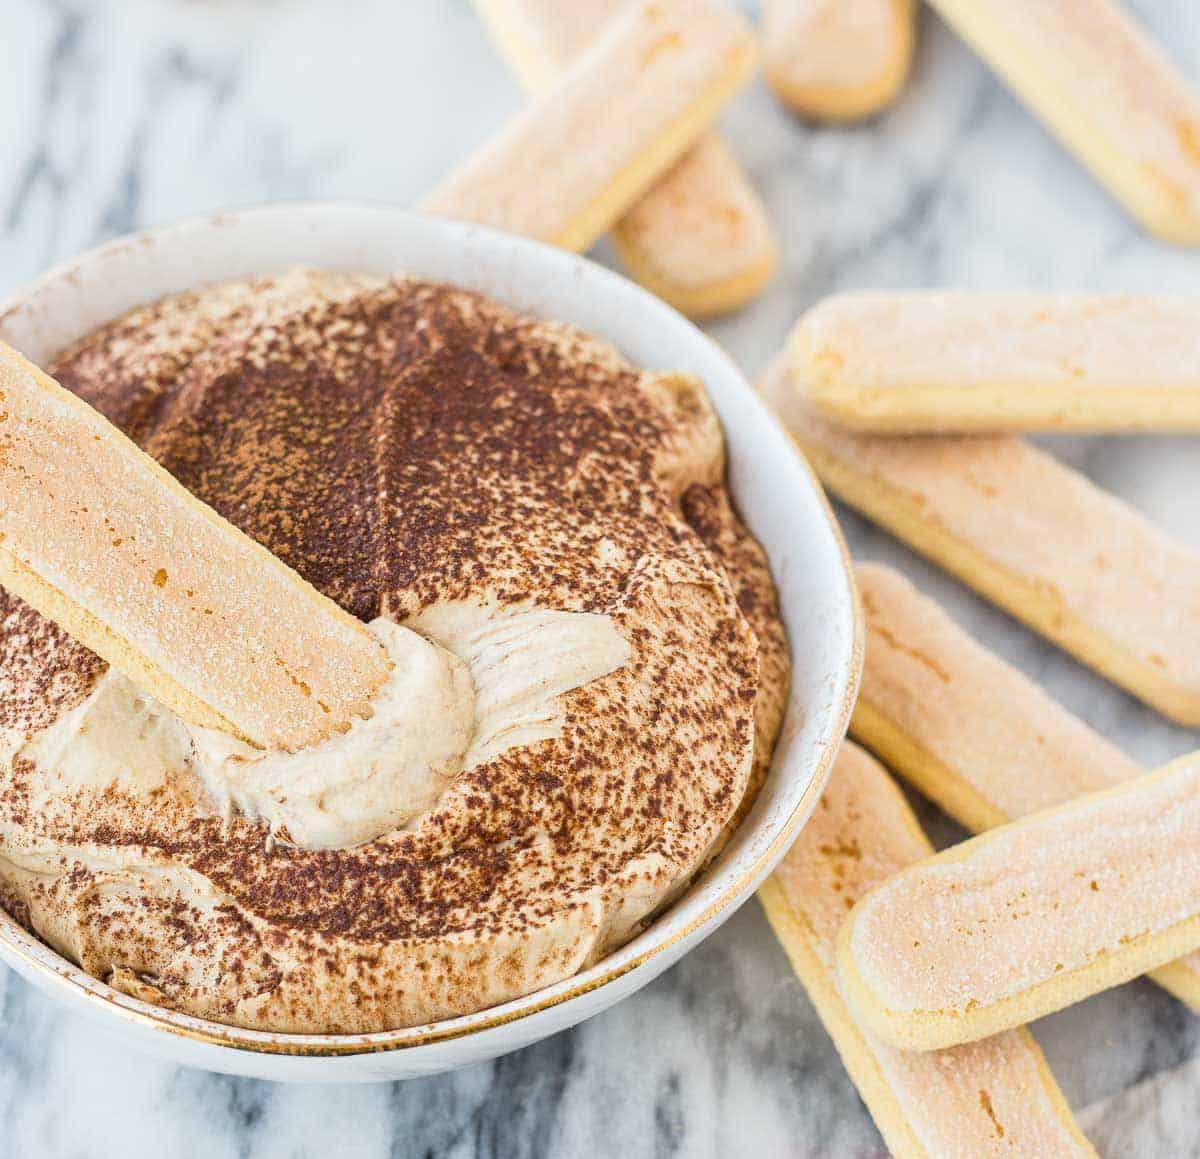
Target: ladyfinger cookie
x,y
575,161
947,361
99,538
699,238
972,733
969,731
1072,561
1031,917
1107,92
995,1097
838,60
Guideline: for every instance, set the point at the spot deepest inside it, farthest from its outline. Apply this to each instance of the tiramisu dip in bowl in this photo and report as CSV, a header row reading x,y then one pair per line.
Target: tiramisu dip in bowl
x,y
615,637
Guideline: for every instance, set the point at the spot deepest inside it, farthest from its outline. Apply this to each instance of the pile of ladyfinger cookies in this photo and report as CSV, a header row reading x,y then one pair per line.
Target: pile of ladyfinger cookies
x,y
925,967
617,136
910,407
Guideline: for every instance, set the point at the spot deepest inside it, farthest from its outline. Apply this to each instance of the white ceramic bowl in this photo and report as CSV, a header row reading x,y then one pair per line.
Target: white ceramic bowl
x,y
773,488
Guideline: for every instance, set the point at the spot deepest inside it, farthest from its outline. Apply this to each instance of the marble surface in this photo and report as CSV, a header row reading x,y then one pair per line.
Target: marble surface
x,y
119,114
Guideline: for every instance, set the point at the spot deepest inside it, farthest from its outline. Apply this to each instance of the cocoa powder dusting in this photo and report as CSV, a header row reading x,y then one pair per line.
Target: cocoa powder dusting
x,y
403,444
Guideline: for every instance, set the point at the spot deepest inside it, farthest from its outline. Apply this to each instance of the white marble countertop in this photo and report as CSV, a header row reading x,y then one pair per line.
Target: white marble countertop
x,y
120,114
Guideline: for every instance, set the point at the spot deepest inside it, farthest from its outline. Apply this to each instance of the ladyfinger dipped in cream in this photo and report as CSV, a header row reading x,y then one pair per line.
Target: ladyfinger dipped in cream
x,y
1030,917
1108,93
1037,538
954,361
838,60
103,541
332,731
639,97
987,1098
972,733
699,237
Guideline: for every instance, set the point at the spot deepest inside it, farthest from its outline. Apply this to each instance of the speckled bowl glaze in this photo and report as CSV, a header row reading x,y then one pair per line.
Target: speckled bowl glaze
x,y
774,490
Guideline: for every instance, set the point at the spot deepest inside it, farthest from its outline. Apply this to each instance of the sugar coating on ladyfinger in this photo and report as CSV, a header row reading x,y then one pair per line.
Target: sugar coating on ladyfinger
x,y
699,237
1037,538
640,96
995,1097
1107,91
1031,917
972,733
960,361
838,60
99,538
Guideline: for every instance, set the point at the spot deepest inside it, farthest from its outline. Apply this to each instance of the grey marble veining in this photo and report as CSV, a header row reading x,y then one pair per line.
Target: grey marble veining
x,y
120,114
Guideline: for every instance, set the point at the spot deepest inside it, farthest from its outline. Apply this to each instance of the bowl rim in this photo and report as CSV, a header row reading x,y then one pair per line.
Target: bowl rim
x,y
28,954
